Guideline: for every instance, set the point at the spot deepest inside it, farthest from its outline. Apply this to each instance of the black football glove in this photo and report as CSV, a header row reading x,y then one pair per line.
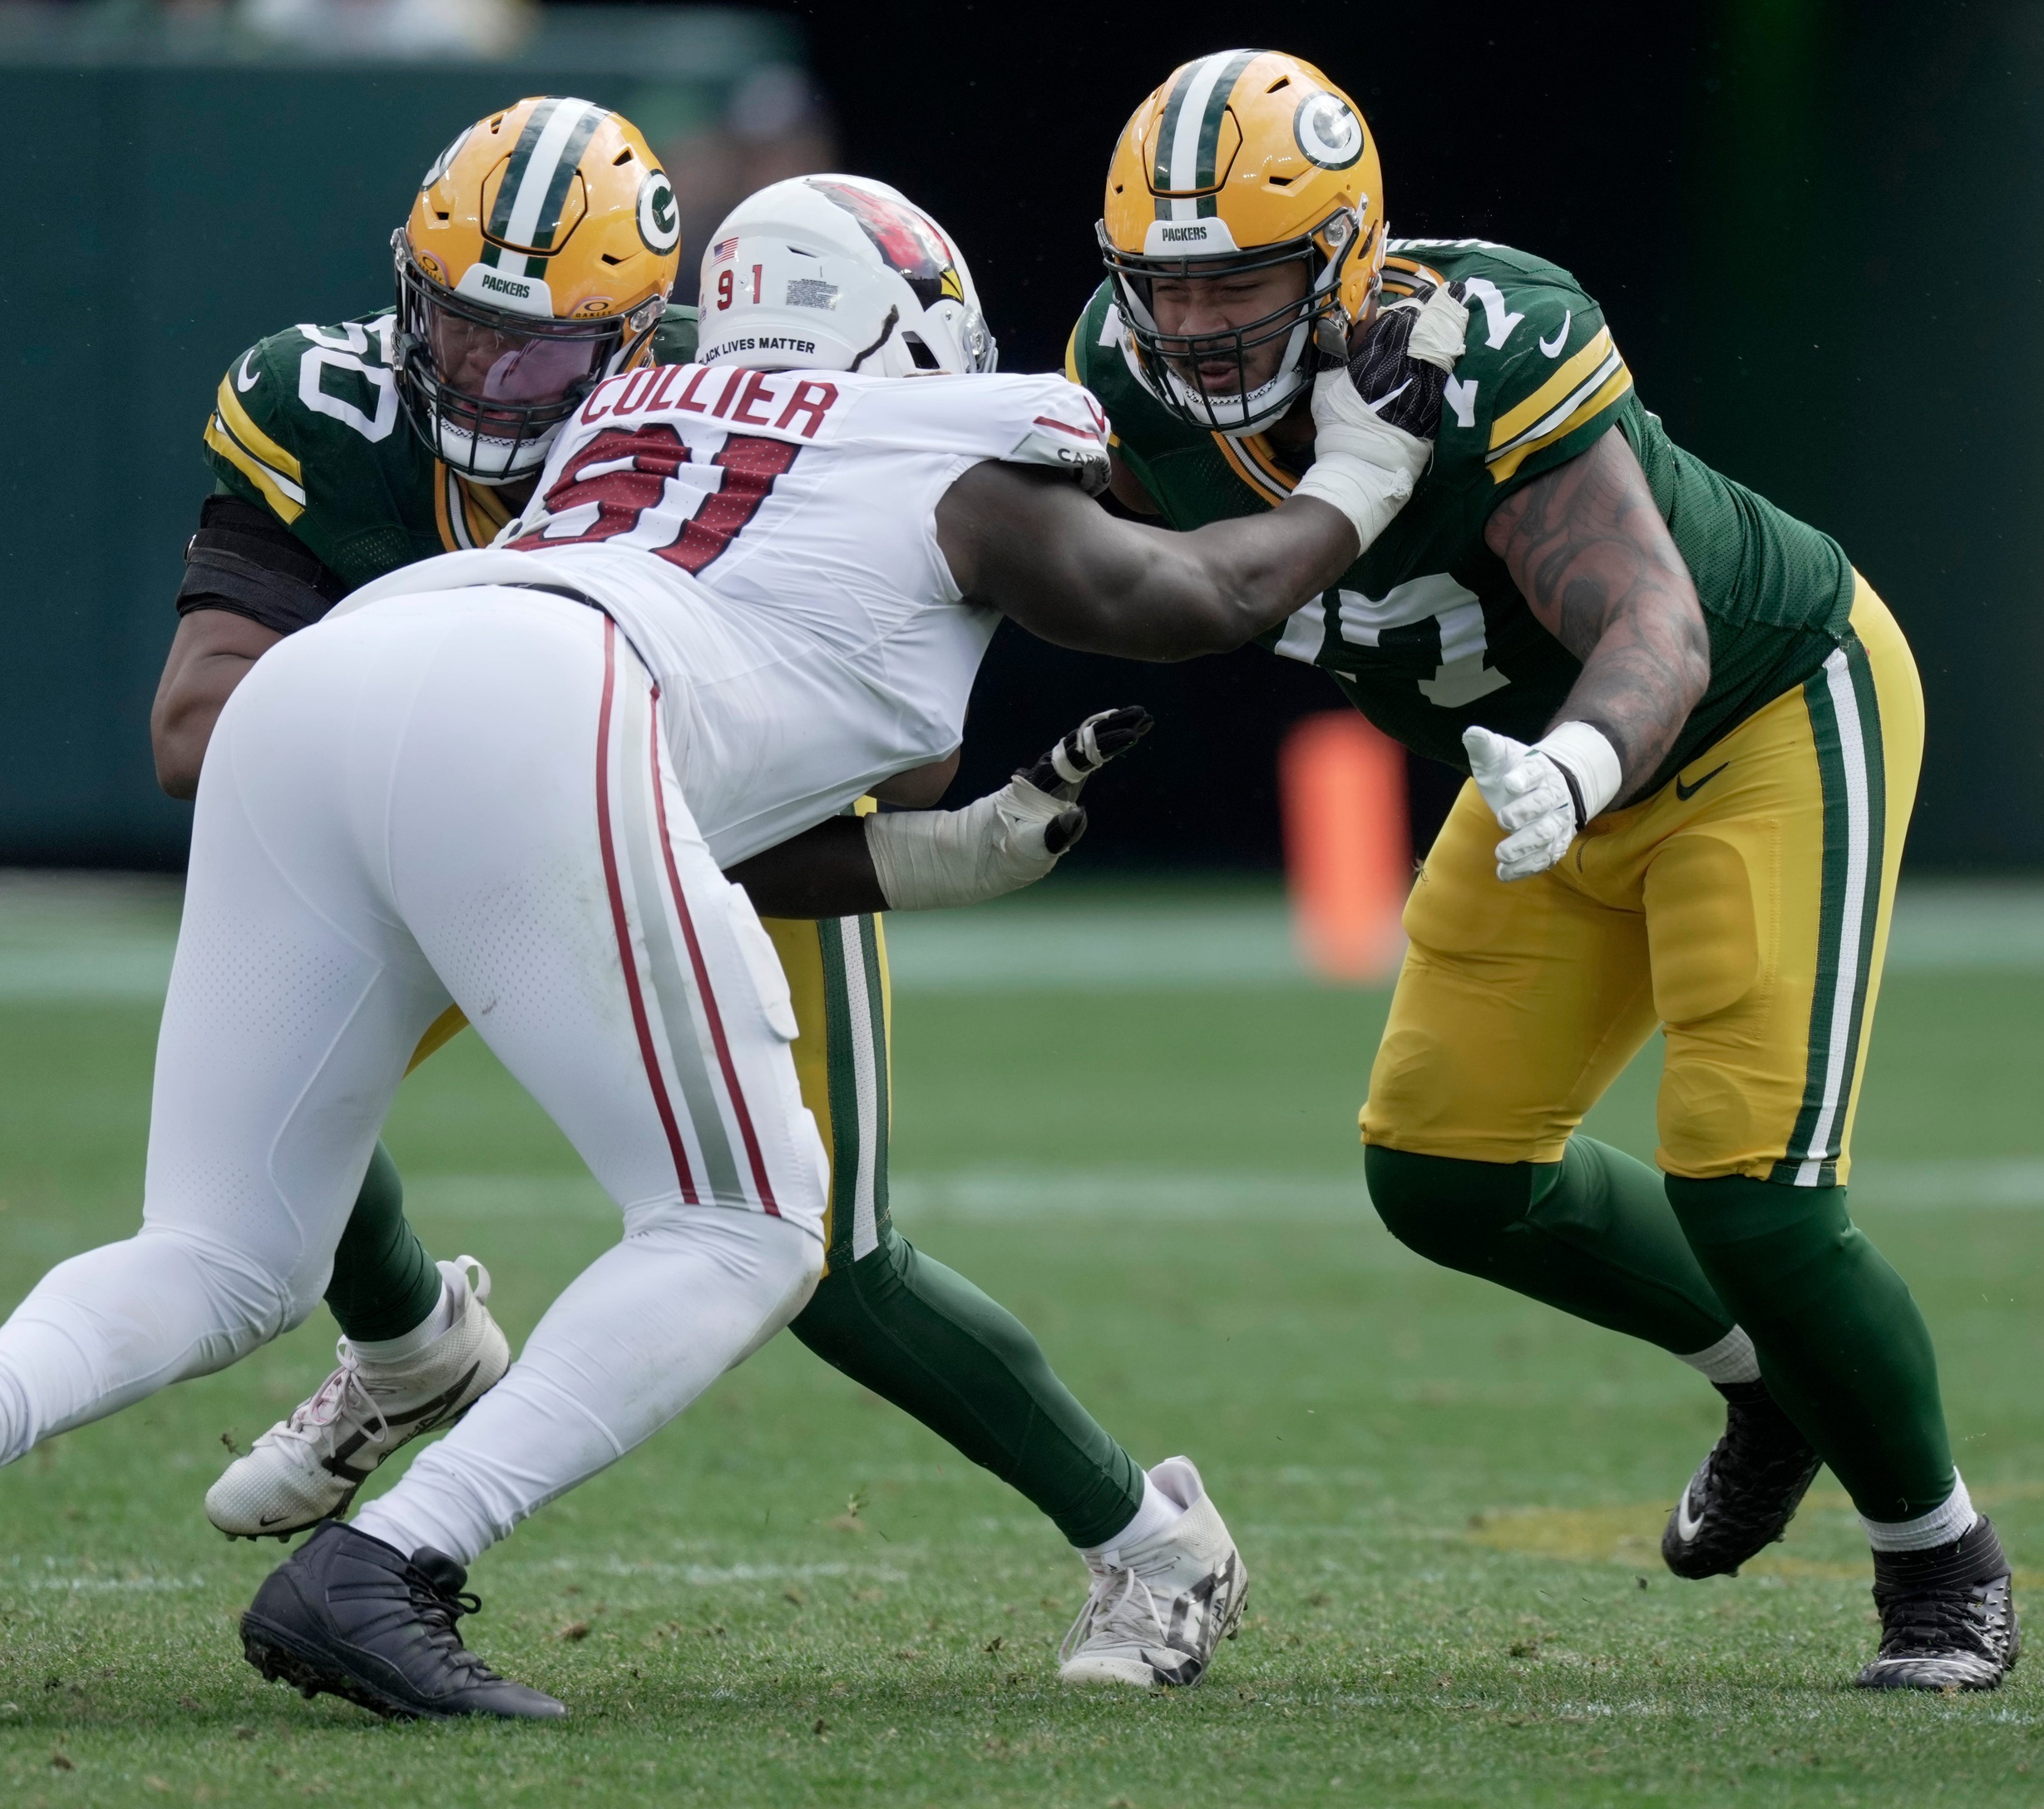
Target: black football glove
x,y
1406,389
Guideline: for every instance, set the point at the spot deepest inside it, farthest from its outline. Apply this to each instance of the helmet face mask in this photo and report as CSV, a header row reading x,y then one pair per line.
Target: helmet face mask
x,y
1242,162
1235,377
485,388
537,262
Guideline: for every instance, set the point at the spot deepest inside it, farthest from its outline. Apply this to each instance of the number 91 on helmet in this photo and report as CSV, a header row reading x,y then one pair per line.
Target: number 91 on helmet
x,y
1243,231
537,262
840,273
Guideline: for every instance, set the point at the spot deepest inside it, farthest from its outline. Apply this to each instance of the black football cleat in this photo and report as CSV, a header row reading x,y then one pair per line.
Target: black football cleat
x,y
1947,1617
1744,1495
350,1615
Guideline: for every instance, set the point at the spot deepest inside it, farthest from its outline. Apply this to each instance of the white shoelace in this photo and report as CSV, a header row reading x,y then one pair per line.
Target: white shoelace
x,y
340,1400
1120,1607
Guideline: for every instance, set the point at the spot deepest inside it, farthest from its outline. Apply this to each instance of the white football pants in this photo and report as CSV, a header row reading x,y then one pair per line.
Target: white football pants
x,y
461,798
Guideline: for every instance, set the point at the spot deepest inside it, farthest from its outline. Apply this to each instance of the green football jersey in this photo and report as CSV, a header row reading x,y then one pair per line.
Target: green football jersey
x,y
1427,634
307,424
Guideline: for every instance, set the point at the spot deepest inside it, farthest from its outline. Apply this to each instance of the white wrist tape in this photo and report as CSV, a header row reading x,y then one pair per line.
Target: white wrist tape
x,y
927,860
1362,465
1441,334
1585,756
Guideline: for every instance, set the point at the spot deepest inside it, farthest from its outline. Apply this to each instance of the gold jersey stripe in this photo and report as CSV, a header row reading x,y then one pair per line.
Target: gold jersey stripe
x,y
1571,374
285,499
1258,448
1611,390
1268,489
1408,274
486,514
443,519
241,424
1071,355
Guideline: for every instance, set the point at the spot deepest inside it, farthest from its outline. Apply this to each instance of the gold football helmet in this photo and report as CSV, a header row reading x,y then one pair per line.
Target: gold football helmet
x,y
1243,160
537,262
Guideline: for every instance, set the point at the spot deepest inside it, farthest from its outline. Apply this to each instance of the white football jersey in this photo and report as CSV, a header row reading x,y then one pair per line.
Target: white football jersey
x,y
766,540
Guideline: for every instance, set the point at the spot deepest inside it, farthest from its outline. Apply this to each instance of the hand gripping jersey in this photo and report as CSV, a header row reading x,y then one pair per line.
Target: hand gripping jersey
x,y
767,541
1427,634
306,424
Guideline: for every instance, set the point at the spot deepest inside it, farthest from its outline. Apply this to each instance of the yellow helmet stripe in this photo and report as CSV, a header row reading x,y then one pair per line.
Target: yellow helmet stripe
x,y
1190,132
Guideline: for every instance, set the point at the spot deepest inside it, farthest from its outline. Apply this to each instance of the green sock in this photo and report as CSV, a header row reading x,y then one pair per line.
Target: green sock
x,y
927,1339
1592,1235
1840,1340
383,1282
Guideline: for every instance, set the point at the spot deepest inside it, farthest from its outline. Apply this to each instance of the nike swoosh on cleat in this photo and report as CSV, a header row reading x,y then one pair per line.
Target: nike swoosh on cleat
x,y
1687,792
1685,1527
243,381
1552,347
271,1519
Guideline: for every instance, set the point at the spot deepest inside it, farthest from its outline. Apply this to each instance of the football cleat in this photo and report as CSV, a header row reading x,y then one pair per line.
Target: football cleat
x,y
350,1615
1157,1609
1947,1617
306,1468
1744,1495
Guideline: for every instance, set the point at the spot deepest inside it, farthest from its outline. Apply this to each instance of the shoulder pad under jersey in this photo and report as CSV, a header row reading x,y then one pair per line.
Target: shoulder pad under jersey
x,y
1540,377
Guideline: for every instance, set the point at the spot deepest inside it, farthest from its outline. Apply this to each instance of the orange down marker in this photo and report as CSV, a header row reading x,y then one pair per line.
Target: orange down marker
x,y
1348,845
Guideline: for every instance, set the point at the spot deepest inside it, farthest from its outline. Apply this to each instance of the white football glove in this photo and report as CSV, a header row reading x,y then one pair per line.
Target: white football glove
x,y
1542,796
926,860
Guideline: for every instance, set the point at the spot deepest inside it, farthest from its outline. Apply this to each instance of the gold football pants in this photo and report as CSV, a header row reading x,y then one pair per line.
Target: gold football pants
x,y
837,970
1744,908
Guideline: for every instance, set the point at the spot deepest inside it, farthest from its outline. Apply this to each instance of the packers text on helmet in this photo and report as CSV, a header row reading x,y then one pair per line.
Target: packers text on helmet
x,y
1243,162
537,262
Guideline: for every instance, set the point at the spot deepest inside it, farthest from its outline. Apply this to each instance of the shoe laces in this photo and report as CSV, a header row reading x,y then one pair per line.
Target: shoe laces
x,y
1768,1454
438,1611
343,1400
1954,1619
1119,1608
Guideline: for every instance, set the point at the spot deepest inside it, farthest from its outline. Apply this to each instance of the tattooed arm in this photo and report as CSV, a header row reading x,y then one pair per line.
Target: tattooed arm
x,y
1591,555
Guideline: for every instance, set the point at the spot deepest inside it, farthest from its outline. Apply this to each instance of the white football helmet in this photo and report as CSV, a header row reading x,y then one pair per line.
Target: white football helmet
x,y
839,272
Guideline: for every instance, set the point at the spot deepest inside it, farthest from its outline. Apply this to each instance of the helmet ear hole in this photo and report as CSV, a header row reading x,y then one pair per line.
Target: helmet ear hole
x,y
920,354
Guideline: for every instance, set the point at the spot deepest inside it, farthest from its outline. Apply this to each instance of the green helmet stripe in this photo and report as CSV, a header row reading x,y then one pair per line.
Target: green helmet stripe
x,y
1210,126
1167,129
515,172
563,174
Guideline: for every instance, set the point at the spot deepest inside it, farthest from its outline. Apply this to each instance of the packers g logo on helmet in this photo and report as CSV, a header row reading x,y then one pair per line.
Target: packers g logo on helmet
x,y
660,213
1240,161
537,262
1328,131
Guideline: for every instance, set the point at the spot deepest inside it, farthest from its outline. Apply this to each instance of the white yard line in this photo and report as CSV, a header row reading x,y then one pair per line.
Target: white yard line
x,y
992,1195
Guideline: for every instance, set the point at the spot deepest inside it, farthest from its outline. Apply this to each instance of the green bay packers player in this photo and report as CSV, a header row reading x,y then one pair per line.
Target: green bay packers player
x,y
536,260
1692,732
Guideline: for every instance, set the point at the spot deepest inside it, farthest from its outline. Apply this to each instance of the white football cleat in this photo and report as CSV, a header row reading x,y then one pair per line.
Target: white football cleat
x,y
306,1468
1158,1608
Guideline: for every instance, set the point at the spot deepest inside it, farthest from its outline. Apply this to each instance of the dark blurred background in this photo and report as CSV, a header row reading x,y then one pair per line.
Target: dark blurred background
x,y
1816,229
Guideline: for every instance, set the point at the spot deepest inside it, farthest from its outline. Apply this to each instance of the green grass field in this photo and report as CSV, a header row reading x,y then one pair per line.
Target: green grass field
x,y
1448,1498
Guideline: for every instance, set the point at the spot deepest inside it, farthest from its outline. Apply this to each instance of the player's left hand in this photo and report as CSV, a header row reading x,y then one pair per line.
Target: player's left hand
x,y
1544,795
927,860
1400,359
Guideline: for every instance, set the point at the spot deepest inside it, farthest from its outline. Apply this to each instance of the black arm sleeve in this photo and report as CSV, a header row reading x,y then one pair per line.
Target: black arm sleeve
x,y
245,560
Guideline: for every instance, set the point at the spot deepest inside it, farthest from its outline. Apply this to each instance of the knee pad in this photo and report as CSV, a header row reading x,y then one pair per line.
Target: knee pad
x,y
1445,1209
